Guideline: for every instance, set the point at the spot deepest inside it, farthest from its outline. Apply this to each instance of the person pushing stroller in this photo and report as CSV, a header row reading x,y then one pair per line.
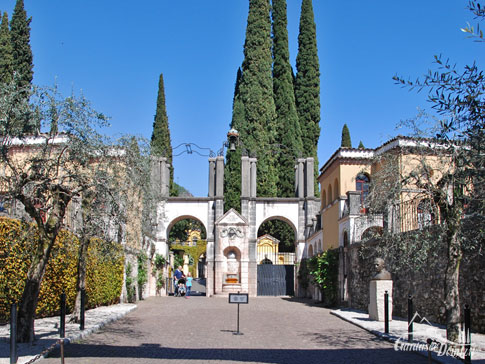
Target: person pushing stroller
x,y
178,275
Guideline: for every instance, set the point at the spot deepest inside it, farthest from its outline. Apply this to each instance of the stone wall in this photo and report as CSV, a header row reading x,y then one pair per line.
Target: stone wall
x,y
426,285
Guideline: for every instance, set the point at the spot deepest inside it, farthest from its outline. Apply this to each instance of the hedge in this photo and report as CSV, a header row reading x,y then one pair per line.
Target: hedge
x,y
104,276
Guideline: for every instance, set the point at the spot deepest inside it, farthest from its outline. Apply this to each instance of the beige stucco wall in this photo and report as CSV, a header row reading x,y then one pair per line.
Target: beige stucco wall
x,y
340,176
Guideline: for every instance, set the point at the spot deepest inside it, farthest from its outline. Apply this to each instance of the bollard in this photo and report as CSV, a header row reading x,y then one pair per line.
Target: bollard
x,y
410,318
468,336
429,342
61,344
62,326
83,299
386,312
13,334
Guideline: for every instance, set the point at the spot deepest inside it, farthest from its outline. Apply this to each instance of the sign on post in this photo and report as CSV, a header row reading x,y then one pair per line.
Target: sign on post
x,y
238,298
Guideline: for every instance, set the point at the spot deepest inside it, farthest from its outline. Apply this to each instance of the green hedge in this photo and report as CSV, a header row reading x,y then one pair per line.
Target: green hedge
x,y
104,269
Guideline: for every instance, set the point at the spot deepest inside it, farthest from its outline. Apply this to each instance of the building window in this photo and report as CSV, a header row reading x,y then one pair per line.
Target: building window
x,y
362,186
425,214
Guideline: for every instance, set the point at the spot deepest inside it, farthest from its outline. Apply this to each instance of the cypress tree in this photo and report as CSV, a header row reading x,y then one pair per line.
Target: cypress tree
x,y
160,143
6,52
22,60
346,141
257,130
232,168
361,145
287,125
307,83
22,53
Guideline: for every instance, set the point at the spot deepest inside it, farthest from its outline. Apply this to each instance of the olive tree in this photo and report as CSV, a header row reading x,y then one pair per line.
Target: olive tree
x,y
441,173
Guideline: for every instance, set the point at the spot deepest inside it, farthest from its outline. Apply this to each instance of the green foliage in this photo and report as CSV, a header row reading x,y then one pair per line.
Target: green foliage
x,y
142,276
323,269
361,145
232,180
159,263
255,96
178,260
181,229
129,284
6,52
346,141
288,131
161,144
232,167
104,269
307,84
281,231
194,252
22,56
303,274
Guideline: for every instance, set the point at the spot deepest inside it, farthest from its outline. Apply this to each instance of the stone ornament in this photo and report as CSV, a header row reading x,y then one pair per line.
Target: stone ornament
x,y
232,233
382,273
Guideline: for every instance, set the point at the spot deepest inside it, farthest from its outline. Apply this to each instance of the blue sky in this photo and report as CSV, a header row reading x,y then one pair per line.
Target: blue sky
x,y
115,51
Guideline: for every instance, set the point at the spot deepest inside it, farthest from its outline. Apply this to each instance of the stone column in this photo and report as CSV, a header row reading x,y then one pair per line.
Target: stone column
x,y
212,177
309,178
377,288
165,177
253,191
245,185
301,178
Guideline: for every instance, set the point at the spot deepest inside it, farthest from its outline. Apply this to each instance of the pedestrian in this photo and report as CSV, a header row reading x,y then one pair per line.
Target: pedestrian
x,y
176,276
188,284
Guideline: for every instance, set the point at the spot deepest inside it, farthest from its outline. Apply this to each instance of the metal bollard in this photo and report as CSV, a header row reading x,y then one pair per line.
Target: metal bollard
x,y
62,325
410,318
13,334
468,336
83,299
386,312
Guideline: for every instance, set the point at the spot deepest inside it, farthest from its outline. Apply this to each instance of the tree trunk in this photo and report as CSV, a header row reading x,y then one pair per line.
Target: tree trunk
x,y
30,295
81,279
452,294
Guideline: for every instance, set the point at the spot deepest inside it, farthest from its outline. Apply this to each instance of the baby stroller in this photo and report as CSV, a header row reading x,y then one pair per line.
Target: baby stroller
x,y
181,287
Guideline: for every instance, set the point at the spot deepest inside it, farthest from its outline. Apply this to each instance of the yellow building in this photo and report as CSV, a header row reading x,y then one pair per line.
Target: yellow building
x,y
268,252
345,180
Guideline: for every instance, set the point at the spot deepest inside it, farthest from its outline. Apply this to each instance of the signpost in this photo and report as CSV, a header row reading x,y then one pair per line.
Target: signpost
x,y
238,298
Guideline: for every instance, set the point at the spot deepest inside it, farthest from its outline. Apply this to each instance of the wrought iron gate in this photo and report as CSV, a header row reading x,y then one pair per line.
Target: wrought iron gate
x,y
276,280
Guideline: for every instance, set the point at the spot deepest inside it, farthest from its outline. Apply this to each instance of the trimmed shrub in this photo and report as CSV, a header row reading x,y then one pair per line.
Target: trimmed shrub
x,y
104,276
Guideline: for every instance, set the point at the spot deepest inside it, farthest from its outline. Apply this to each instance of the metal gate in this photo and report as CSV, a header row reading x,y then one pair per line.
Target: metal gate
x,y
276,280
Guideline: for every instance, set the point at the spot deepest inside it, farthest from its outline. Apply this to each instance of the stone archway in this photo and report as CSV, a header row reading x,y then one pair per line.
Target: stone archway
x,y
299,212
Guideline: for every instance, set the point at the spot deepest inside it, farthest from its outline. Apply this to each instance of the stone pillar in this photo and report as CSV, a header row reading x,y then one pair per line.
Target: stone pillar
x,y
212,177
309,178
377,289
245,185
301,179
164,177
253,184
245,176
219,187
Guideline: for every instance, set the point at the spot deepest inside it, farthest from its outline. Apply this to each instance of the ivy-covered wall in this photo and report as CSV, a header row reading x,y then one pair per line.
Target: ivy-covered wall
x,y
194,253
105,266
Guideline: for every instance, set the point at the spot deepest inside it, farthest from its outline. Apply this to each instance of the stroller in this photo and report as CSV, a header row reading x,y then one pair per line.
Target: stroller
x,y
181,287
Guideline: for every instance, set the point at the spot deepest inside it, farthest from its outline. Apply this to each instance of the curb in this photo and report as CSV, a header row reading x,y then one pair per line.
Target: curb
x,y
82,334
393,339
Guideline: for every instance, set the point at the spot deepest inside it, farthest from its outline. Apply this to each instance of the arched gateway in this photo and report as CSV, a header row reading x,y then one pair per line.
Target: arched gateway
x,y
231,256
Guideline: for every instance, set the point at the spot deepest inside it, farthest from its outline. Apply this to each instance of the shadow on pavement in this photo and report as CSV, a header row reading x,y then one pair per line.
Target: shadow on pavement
x,y
281,356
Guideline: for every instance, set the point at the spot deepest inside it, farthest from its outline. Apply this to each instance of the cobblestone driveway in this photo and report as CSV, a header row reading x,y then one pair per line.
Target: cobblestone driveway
x,y
200,330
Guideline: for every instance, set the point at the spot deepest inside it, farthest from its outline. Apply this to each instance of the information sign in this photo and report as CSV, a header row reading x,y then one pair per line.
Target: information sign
x,y
238,298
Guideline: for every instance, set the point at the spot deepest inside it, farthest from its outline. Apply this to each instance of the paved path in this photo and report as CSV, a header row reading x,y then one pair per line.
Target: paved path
x,y
201,330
